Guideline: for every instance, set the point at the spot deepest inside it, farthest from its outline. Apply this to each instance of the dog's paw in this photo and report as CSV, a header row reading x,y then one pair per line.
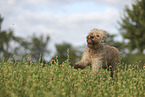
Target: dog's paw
x,y
76,66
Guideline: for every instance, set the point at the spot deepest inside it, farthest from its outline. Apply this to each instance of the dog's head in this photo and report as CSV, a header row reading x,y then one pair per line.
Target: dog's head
x,y
96,38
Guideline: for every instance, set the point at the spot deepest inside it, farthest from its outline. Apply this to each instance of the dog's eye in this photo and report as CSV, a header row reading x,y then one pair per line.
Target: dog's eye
x,y
98,36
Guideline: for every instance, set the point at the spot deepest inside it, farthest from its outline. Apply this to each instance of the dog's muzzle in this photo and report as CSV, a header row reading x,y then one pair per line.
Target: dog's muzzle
x,y
90,41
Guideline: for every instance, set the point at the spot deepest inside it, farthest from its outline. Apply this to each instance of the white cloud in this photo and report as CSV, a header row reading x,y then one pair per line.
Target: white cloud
x,y
64,20
40,16
62,3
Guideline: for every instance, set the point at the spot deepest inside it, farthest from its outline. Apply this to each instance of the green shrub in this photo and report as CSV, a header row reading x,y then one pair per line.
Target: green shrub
x,y
138,59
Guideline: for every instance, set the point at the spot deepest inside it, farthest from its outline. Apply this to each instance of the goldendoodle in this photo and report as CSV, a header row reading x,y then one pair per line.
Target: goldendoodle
x,y
97,54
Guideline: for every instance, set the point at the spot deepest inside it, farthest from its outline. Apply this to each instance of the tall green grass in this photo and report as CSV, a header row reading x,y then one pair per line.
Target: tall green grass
x,y
28,79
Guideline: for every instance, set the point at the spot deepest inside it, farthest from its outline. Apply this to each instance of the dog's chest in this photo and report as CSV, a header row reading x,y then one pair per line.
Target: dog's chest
x,y
93,54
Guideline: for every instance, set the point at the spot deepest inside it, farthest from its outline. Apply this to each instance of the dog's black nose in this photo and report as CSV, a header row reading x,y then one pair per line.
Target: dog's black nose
x,y
91,37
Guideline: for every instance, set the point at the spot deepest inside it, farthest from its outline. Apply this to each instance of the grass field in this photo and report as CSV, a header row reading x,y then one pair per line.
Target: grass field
x,y
28,79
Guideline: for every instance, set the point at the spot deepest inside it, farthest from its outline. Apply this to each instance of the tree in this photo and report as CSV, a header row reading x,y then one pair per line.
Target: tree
x,y
62,52
6,38
37,47
133,26
1,20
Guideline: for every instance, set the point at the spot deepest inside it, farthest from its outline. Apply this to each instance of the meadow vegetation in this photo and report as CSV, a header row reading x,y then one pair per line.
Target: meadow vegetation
x,y
29,79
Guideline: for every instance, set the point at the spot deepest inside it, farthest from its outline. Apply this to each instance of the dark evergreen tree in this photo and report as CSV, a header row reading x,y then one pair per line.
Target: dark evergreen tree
x,y
133,26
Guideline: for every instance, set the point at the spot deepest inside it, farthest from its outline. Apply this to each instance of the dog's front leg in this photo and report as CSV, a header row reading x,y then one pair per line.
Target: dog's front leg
x,y
85,60
96,65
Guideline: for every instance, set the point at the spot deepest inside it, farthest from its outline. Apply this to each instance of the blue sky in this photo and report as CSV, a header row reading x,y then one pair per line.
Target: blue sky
x,y
63,20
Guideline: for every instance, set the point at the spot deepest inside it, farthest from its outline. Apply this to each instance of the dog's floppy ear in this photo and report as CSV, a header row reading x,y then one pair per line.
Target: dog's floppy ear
x,y
104,37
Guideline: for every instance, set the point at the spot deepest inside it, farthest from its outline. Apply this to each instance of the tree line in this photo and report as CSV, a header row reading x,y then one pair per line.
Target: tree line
x,y
37,47
132,29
